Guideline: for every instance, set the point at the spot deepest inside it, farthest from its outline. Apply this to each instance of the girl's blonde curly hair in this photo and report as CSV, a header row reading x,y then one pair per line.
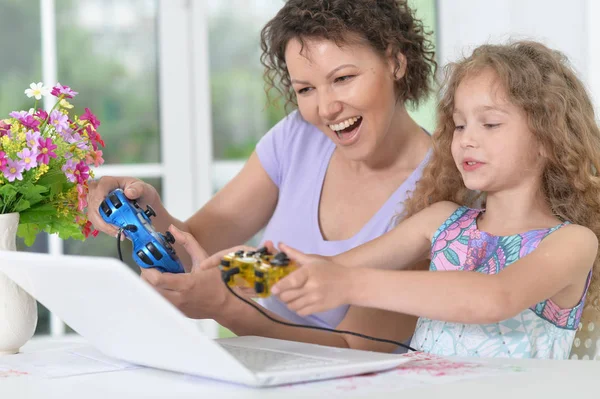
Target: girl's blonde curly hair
x,y
559,113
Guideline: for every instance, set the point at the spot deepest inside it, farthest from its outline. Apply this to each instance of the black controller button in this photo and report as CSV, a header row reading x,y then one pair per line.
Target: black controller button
x,y
225,262
281,256
280,262
115,200
142,255
154,251
149,211
280,259
263,251
259,287
169,237
106,209
259,274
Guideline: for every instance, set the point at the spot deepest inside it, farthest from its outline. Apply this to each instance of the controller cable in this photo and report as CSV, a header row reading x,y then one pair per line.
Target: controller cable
x,y
226,275
129,227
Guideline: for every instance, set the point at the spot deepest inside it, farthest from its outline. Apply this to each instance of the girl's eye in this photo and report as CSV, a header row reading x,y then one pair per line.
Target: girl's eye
x,y
491,125
344,78
304,90
460,128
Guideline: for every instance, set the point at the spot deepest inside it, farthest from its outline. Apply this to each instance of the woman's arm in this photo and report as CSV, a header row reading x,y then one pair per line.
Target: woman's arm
x,y
557,269
202,294
232,216
235,213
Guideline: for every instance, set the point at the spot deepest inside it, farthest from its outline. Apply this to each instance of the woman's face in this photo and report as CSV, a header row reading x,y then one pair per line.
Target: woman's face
x,y
347,92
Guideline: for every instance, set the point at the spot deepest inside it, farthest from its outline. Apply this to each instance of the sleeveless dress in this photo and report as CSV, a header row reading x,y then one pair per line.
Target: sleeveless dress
x,y
543,331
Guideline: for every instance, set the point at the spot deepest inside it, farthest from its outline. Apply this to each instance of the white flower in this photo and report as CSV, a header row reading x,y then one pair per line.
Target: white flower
x,y
37,90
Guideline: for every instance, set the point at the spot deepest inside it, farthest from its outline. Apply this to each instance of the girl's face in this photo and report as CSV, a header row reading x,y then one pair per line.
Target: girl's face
x,y
492,146
347,92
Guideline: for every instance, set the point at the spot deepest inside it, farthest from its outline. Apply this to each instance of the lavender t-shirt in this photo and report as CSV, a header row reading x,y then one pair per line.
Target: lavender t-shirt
x,y
295,154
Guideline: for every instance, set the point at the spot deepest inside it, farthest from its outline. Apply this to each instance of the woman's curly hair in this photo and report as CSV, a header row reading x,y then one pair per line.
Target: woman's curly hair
x,y
559,113
384,24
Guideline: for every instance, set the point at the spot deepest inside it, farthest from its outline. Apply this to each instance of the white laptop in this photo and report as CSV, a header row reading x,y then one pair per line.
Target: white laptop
x,y
124,317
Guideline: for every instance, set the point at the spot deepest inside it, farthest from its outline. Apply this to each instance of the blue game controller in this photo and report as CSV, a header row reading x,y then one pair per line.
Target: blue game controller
x,y
150,249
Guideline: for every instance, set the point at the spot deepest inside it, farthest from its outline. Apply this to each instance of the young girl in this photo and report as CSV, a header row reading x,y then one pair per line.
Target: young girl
x,y
517,133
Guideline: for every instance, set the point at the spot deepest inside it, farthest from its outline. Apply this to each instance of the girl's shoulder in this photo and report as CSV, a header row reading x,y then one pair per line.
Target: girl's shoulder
x,y
567,232
439,214
444,210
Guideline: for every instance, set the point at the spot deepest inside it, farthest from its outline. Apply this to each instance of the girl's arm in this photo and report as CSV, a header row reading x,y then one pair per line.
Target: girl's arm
x,y
409,242
557,269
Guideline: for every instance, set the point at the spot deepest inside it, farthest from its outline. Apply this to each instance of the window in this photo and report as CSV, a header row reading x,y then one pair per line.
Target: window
x,y
107,50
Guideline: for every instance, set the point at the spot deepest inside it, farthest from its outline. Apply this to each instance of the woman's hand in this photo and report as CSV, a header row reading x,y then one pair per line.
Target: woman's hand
x,y
199,294
318,285
133,188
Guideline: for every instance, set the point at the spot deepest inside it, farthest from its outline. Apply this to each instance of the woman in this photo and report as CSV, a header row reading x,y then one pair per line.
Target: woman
x,y
328,177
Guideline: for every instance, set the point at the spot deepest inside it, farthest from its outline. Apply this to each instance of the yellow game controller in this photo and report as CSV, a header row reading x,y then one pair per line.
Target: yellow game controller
x,y
258,269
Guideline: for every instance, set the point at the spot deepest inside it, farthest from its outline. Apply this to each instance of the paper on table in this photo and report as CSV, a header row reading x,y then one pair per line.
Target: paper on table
x,y
60,363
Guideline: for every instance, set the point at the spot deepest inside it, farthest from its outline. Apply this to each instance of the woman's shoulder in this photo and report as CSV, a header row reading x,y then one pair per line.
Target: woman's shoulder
x,y
290,142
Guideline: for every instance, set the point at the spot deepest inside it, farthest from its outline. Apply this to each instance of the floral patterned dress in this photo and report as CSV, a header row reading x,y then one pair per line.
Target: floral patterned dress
x,y
543,331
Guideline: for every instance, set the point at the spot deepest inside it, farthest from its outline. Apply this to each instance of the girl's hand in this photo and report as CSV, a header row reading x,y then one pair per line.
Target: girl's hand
x,y
318,285
133,188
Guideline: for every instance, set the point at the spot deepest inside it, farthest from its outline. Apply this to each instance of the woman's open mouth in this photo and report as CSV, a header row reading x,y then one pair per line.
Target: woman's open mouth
x,y
347,130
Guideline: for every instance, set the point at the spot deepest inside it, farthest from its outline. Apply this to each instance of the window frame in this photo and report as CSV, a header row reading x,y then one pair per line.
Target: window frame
x,y
184,108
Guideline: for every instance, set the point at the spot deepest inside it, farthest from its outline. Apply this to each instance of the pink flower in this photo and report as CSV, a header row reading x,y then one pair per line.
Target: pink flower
x,y
87,230
29,158
94,137
94,158
81,197
32,139
65,91
88,116
40,113
14,170
4,129
30,122
3,160
45,150
69,170
82,172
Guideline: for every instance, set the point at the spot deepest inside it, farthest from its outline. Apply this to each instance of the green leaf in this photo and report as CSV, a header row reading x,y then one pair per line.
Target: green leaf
x,y
28,231
54,180
21,205
8,193
65,229
39,214
33,193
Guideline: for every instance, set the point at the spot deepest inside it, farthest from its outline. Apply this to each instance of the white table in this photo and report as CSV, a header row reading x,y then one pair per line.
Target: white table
x,y
542,379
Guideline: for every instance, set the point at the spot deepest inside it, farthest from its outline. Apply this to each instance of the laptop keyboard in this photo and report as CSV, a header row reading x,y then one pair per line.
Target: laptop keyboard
x,y
270,360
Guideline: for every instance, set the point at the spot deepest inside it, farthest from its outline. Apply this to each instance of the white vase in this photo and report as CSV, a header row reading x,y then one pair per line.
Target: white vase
x,y
18,310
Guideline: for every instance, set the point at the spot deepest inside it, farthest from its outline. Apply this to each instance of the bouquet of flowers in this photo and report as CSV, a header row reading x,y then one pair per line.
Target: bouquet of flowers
x,y
45,160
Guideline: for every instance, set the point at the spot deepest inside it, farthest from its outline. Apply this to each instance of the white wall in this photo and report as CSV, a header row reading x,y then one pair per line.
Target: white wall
x,y
569,26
